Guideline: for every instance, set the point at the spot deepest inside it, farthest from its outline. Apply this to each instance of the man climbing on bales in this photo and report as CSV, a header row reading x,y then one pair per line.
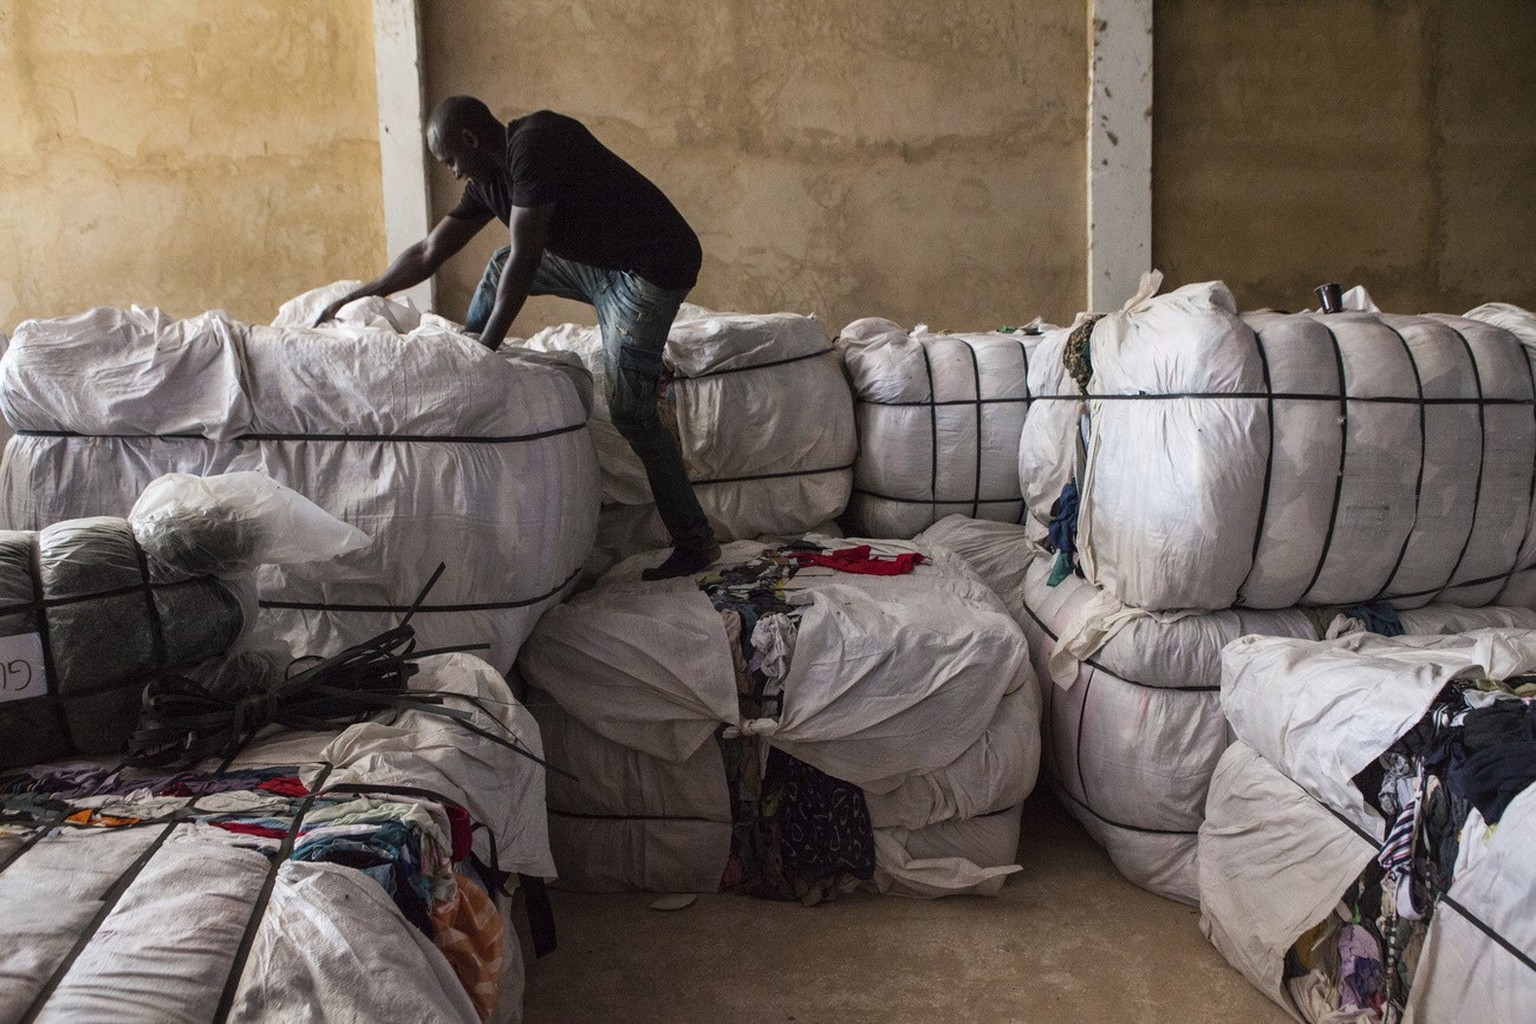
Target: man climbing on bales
x,y
584,225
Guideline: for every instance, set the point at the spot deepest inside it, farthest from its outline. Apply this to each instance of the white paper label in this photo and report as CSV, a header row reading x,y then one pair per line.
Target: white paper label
x,y
21,667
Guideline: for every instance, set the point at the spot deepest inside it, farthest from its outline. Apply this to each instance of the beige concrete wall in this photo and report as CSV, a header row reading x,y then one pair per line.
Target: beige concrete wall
x,y
849,157
184,153
1382,142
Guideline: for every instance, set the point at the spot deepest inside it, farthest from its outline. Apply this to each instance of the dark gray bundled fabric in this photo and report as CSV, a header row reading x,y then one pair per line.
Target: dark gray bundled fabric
x,y
108,623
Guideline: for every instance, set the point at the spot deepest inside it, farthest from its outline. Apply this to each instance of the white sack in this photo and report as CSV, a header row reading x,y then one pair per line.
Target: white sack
x,y
1274,862
1321,711
878,660
636,822
939,418
762,414
1271,460
1132,736
437,448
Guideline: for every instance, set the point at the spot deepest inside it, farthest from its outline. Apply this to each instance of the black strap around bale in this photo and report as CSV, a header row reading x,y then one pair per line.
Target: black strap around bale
x,y
1062,790
1442,897
933,431
1482,462
479,606
1014,500
1269,457
541,916
110,899
345,438
1418,484
109,902
761,366
1338,485
770,476
1308,396
263,898
976,378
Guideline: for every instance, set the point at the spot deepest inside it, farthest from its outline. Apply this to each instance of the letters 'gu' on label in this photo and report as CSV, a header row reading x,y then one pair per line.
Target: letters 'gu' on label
x,y
22,674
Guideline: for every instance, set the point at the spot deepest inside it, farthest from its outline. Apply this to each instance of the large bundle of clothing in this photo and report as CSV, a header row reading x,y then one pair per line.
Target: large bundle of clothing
x,y
441,451
1366,851
762,414
799,720
86,618
238,890
1132,722
1270,460
939,418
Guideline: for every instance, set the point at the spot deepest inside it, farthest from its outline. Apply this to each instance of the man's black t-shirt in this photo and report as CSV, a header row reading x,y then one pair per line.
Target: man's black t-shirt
x,y
607,214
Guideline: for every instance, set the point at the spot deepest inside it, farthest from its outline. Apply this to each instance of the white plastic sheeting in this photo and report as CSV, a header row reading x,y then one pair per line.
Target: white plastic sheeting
x,y
877,661
166,949
762,414
915,688
438,449
939,419
639,822
1286,833
1133,732
1272,460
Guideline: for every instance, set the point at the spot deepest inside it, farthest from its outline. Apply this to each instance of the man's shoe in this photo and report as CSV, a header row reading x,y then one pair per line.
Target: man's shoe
x,y
683,562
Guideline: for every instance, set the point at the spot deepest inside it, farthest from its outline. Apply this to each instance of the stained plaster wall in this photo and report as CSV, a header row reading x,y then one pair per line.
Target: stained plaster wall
x,y
922,162
189,154
1383,142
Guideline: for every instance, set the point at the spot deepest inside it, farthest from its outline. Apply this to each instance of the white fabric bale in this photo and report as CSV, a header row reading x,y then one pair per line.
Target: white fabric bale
x,y
877,661
1321,711
1287,833
738,402
1134,731
1272,460
1273,863
1049,441
637,822
437,448
632,681
939,419
194,896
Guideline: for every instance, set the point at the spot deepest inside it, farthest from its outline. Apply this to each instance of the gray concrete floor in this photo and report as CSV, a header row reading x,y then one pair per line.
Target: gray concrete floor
x,y
1068,940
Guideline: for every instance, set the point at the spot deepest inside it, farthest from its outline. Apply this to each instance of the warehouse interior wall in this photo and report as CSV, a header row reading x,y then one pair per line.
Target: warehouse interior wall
x,y
922,162
919,162
1387,143
189,154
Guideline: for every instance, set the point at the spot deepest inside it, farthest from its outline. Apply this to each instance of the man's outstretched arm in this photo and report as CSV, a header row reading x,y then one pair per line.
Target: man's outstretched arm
x,y
417,263
529,226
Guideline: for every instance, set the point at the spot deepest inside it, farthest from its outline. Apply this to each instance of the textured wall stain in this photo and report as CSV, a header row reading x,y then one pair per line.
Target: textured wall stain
x,y
852,158
1382,143
190,154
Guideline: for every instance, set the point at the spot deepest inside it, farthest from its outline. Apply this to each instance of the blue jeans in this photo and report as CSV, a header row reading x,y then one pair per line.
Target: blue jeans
x,y
634,317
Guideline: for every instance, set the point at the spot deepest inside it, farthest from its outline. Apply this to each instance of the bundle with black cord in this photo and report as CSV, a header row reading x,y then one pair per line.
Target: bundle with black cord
x,y
185,721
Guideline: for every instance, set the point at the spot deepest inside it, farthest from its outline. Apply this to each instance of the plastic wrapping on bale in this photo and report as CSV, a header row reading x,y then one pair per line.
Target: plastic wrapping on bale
x,y
104,627
737,401
1272,460
440,450
1132,723
939,418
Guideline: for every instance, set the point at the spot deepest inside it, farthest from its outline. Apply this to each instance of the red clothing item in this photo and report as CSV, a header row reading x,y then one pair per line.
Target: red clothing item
x,y
462,831
287,785
250,830
859,560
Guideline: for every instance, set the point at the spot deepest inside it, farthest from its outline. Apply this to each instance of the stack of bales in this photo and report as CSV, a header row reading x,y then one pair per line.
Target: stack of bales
x,y
939,419
762,415
1288,474
914,689
438,449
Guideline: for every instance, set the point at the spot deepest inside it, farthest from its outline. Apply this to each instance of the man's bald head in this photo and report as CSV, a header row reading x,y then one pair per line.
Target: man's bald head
x,y
463,134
